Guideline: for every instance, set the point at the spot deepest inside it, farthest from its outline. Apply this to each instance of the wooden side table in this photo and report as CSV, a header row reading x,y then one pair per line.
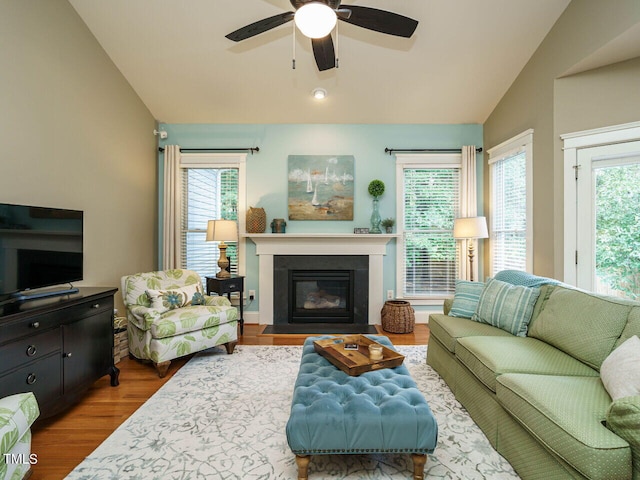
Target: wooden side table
x,y
234,283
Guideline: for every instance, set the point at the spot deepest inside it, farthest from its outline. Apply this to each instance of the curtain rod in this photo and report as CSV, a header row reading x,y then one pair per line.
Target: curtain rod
x,y
427,150
247,149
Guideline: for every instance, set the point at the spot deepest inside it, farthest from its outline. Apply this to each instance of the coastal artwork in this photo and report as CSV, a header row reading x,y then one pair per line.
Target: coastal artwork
x,y
321,187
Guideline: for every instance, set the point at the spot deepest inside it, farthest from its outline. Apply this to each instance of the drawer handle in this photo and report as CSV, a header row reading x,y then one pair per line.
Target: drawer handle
x,y
35,325
95,305
31,350
31,379
67,355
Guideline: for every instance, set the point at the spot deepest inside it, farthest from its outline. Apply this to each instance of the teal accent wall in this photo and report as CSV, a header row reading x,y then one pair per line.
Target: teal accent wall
x,y
267,170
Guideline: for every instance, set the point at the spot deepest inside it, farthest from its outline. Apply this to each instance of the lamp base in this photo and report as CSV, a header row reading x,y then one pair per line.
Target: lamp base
x,y
223,262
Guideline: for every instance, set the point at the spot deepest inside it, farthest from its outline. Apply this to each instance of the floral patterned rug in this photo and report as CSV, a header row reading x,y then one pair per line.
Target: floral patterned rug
x,y
223,417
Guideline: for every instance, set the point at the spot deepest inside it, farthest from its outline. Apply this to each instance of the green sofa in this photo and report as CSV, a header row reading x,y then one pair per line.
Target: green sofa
x,y
539,397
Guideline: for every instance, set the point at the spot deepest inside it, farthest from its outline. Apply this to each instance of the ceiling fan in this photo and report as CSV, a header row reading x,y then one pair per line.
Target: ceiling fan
x,y
317,18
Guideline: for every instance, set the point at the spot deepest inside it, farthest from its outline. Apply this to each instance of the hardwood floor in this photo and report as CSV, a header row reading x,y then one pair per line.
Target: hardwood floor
x,y
63,441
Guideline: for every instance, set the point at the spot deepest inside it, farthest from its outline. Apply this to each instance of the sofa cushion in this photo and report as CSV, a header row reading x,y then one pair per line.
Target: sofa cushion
x,y
565,414
449,329
191,319
506,306
623,418
466,298
584,325
620,371
489,357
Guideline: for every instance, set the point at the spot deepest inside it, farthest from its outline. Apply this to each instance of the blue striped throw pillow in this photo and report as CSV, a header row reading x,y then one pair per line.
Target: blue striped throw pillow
x,y
506,306
465,298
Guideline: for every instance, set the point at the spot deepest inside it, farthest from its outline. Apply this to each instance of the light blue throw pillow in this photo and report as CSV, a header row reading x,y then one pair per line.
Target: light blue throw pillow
x,y
506,306
466,298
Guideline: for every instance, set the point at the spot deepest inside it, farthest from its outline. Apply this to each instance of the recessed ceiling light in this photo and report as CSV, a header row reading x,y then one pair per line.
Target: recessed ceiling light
x,y
319,93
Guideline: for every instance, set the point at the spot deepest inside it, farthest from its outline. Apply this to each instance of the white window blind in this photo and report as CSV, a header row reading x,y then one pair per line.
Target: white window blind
x,y
431,203
509,217
208,194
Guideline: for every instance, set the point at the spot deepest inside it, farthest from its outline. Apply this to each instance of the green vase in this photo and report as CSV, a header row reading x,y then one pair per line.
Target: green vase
x,y
375,218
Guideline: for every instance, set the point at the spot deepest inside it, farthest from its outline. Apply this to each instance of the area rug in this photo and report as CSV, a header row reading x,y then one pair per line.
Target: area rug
x,y
223,417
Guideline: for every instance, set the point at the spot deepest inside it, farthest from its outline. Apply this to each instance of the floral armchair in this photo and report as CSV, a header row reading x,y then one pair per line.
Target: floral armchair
x,y
169,317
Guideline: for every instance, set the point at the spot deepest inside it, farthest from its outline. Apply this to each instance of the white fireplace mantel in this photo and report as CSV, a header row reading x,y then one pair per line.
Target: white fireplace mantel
x,y
270,244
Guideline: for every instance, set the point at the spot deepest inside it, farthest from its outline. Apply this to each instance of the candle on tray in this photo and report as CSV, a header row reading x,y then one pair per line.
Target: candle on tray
x,y
375,352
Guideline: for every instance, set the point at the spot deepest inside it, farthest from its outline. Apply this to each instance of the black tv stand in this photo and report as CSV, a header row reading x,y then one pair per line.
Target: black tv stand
x,y
57,347
22,296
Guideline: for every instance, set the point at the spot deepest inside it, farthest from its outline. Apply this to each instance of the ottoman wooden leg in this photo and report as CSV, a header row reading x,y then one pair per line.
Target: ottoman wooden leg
x,y
419,461
303,466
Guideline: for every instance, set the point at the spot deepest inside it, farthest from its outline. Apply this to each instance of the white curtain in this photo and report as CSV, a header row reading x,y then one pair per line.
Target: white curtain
x,y
172,212
468,207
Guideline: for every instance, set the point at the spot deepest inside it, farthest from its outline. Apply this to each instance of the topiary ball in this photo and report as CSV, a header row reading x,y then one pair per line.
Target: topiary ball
x,y
376,188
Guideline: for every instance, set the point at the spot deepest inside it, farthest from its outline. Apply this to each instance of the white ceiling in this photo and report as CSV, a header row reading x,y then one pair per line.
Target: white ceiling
x,y
462,58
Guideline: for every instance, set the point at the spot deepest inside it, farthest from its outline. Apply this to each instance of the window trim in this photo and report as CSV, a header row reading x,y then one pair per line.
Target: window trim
x,y
226,160
522,142
414,161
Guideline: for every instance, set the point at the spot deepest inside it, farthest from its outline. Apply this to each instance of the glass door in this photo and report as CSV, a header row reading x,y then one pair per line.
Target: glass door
x,y
608,219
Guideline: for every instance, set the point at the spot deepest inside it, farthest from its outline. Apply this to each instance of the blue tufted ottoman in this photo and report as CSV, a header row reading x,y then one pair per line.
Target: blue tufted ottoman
x,y
380,411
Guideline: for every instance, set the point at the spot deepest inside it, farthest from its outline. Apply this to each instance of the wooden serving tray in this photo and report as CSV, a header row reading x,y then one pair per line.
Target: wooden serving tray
x,y
356,362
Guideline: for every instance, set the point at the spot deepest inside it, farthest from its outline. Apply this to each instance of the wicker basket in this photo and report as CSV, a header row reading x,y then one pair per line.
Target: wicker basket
x,y
120,339
256,220
398,316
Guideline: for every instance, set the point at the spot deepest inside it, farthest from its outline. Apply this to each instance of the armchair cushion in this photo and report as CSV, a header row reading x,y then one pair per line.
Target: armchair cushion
x,y
191,319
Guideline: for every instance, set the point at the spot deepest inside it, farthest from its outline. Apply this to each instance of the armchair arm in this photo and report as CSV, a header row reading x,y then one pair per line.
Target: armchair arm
x,y
216,301
142,317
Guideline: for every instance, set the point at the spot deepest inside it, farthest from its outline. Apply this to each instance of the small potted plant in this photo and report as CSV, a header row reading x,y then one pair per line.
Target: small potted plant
x,y
376,189
388,224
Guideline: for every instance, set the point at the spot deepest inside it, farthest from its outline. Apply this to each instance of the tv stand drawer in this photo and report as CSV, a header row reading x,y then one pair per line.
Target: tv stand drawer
x,y
29,349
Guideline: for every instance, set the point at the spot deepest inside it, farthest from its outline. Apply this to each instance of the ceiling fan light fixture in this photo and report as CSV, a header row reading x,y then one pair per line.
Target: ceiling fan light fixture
x,y
319,93
315,19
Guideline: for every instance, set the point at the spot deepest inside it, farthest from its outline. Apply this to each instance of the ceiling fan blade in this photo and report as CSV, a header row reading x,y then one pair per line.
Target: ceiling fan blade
x,y
381,21
343,13
323,52
260,26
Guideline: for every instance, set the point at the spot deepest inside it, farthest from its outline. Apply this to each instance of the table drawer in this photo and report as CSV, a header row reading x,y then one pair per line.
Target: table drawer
x,y
43,378
32,325
29,349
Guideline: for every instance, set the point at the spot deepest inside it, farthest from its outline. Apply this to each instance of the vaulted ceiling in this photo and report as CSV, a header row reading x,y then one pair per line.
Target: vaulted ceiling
x,y
460,61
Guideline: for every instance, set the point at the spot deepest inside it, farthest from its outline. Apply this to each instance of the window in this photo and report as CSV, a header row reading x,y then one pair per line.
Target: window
x,y
510,179
428,255
210,191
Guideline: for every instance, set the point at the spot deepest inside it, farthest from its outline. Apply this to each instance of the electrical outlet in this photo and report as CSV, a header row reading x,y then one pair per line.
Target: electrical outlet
x,y
389,294
252,294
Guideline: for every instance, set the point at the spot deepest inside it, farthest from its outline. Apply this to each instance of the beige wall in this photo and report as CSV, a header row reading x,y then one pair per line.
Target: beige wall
x,y
75,135
538,100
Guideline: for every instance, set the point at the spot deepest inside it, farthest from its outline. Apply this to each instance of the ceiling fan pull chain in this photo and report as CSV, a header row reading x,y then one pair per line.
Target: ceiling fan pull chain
x,y
337,47
293,60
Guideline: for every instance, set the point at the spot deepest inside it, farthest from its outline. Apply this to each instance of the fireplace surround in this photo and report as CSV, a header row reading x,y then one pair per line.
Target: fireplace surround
x,y
320,289
269,245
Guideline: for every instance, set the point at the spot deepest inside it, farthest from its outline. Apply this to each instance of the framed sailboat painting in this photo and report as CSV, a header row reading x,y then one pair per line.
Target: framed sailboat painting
x,y
320,187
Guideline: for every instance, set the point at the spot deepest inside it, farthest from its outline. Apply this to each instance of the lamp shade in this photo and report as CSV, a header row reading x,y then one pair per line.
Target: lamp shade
x,y
470,227
315,19
222,230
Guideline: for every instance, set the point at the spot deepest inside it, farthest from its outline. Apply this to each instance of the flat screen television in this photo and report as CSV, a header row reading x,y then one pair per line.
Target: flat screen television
x,y
39,247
